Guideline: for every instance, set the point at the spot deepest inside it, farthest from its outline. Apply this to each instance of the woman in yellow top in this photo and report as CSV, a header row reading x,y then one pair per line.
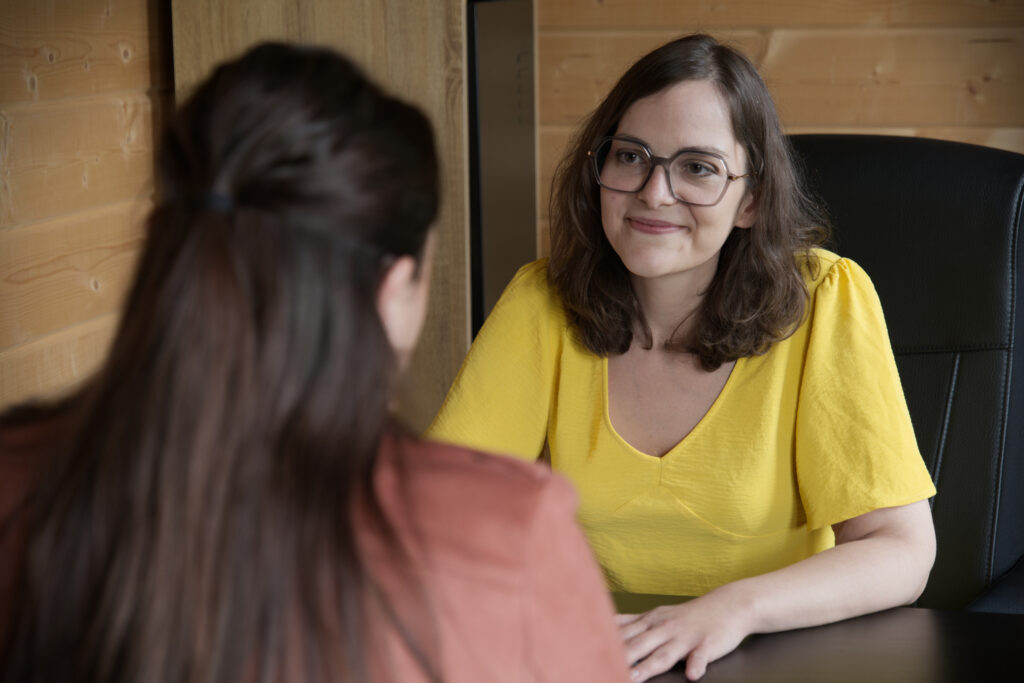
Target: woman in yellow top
x,y
722,393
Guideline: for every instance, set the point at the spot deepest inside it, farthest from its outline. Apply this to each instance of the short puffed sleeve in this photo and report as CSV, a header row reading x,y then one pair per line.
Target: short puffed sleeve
x,y
501,397
855,445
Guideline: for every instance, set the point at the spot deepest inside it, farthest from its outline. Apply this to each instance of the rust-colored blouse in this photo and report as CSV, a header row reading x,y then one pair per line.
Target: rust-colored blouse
x,y
512,588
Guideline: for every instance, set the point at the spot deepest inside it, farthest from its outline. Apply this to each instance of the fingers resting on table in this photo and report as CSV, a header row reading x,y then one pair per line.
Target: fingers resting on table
x,y
699,631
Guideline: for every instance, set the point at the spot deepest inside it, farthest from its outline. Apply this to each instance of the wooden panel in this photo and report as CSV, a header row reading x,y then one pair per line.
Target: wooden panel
x,y
899,77
694,14
936,78
415,49
60,273
54,364
72,155
577,69
70,48
206,33
83,84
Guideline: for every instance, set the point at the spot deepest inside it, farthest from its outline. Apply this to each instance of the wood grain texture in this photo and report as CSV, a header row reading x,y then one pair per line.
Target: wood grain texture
x,y
576,69
414,49
75,48
904,77
67,270
933,77
83,85
57,363
614,14
206,33
76,154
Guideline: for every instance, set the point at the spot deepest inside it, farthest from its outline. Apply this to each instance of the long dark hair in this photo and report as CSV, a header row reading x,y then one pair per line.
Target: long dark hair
x,y
197,523
757,295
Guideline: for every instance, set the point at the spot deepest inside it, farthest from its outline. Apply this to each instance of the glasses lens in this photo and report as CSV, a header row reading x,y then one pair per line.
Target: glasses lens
x,y
698,178
622,165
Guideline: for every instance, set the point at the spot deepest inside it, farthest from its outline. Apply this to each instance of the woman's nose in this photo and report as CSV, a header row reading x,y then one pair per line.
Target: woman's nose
x,y
657,191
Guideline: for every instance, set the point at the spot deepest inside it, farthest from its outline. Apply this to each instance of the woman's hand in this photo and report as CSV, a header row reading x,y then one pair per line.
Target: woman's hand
x,y
700,631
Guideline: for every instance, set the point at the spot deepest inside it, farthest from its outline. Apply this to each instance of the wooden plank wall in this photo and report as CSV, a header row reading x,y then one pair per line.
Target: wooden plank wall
x,y
417,50
950,69
83,85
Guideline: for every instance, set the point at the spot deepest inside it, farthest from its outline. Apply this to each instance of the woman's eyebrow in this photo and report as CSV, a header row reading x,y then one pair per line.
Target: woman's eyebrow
x,y
709,150
699,149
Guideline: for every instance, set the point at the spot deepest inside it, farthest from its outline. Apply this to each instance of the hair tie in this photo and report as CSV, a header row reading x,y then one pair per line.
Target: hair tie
x,y
219,202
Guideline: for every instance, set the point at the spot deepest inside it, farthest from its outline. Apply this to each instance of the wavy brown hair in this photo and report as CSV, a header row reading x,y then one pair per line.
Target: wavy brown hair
x,y
195,523
757,295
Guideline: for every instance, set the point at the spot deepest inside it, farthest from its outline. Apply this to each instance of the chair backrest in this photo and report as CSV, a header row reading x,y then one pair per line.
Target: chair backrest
x,y
937,226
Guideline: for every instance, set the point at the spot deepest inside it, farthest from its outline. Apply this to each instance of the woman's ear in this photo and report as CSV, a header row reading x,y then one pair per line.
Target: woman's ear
x,y
402,301
746,215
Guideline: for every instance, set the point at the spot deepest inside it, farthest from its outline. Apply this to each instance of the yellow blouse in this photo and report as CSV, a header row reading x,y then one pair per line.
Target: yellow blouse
x,y
812,433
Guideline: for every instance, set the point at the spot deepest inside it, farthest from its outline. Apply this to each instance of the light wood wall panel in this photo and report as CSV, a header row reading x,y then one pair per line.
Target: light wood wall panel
x,y
578,68
71,268
57,49
949,69
76,154
83,86
705,14
901,77
59,362
415,49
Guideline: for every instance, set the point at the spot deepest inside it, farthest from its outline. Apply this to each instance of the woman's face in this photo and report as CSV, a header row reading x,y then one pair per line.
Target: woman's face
x,y
658,237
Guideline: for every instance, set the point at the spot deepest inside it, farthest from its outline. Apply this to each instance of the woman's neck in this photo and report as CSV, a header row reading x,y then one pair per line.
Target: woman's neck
x,y
668,303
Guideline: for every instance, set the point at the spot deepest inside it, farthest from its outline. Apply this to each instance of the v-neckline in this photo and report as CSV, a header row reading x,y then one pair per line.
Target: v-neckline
x,y
706,417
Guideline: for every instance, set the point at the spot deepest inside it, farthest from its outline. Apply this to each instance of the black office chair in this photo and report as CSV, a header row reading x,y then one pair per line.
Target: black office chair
x,y
938,227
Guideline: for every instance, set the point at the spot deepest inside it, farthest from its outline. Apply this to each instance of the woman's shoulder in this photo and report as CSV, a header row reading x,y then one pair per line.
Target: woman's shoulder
x,y
470,516
531,282
445,480
529,303
507,567
823,267
534,273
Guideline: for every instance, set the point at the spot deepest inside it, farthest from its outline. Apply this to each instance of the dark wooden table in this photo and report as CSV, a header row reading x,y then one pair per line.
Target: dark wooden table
x,y
905,644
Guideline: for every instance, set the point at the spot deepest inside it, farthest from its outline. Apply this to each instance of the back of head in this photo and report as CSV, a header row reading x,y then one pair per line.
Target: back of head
x,y
289,182
200,518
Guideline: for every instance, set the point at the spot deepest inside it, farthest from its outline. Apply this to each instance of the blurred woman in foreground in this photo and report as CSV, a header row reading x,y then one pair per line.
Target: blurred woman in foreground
x,y
229,498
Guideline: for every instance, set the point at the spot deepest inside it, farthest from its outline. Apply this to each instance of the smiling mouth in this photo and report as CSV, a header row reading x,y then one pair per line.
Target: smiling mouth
x,y
652,227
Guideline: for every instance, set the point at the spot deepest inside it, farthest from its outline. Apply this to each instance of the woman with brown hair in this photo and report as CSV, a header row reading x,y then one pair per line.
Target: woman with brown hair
x,y
229,499
721,391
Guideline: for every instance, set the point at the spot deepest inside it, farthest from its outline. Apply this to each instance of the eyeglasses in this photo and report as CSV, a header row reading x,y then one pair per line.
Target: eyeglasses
x,y
696,178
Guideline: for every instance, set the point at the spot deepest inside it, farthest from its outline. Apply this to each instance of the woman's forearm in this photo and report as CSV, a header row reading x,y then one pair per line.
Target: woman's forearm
x,y
880,560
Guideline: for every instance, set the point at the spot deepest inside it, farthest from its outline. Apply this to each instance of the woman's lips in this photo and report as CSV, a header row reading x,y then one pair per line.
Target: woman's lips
x,y
652,226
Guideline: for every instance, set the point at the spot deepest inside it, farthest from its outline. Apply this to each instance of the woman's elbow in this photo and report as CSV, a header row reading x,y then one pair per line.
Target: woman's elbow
x,y
920,550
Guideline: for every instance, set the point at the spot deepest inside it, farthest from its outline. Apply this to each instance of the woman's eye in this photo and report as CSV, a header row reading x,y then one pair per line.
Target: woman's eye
x,y
699,168
629,157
